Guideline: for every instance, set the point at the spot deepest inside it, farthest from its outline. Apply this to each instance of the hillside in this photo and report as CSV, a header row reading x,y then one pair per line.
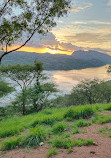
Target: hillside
x,y
78,60
74,132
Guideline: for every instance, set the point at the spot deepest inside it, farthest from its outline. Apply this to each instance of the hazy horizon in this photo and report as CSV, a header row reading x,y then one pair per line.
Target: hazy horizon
x,y
87,26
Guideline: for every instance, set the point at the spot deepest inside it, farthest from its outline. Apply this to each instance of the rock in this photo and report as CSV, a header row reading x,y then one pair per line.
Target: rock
x,y
41,144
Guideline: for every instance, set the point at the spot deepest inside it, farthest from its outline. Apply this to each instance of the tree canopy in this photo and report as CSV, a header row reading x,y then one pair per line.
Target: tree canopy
x,y
20,18
23,75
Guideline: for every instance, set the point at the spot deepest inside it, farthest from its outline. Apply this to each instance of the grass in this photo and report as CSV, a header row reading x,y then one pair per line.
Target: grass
x,y
105,131
51,152
59,127
80,112
66,143
75,130
11,143
31,130
82,123
33,138
101,118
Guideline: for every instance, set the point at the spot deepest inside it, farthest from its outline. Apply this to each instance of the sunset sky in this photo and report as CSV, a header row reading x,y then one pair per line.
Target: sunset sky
x,y
87,27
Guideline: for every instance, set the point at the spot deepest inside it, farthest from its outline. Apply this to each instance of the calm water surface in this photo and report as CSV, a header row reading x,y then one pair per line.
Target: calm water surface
x,y
66,80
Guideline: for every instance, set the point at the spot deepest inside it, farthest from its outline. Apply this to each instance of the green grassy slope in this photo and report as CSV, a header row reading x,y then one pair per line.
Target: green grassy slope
x,y
54,126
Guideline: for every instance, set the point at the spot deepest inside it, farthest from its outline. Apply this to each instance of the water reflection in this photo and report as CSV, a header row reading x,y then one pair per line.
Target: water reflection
x,y
65,80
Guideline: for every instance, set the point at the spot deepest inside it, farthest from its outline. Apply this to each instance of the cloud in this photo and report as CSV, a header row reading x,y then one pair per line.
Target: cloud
x,y
48,44
76,8
92,22
109,2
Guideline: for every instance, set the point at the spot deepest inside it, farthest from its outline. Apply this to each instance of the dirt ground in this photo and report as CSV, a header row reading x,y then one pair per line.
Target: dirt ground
x,y
101,149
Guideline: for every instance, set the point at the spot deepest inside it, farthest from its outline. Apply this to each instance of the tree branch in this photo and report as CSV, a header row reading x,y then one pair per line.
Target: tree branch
x,y
3,9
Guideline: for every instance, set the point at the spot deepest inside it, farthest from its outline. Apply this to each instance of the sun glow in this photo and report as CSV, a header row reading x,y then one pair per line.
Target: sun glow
x,y
41,50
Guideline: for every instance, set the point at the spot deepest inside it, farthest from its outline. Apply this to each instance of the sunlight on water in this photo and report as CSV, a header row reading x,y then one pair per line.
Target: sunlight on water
x,y
66,80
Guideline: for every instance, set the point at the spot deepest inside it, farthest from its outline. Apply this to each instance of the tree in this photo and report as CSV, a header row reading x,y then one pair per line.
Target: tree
x,y
22,17
5,88
87,92
105,88
23,75
39,93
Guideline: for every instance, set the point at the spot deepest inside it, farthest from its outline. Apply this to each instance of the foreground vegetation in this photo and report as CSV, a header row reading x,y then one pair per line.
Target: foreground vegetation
x,y
54,126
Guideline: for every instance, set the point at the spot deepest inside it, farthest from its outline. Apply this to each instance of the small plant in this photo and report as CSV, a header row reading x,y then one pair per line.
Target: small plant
x,y
75,131
52,152
70,150
62,142
11,143
36,136
108,107
80,112
59,127
105,131
101,118
82,123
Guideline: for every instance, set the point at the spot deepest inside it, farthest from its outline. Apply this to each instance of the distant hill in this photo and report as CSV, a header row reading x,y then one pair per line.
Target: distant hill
x,y
78,60
89,55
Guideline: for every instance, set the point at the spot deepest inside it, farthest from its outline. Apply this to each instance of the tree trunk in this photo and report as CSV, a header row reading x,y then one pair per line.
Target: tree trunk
x,y
23,102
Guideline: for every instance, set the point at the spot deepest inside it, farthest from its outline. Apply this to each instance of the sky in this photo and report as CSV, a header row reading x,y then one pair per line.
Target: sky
x,y
87,26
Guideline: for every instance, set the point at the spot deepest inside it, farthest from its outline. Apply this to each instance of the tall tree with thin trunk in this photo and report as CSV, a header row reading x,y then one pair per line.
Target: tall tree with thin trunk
x,y
23,75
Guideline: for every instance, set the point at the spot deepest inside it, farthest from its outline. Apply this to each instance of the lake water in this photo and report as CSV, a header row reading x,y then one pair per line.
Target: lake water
x,y
66,80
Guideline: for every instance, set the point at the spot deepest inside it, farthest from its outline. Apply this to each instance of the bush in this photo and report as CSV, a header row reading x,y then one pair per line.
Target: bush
x,y
59,127
11,143
36,136
82,123
79,112
101,119
66,143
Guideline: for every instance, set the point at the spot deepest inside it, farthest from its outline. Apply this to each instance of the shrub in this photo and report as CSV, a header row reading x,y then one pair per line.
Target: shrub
x,y
36,136
10,131
79,112
11,143
59,127
66,143
108,107
82,123
101,118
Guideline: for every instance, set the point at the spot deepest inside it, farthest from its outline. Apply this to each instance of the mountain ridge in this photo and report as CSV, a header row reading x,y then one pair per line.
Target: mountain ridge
x,y
78,60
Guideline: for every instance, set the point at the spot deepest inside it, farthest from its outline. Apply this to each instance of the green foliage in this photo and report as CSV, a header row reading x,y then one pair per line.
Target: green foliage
x,y
48,120
66,143
59,127
37,95
82,123
87,92
5,88
105,131
51,152
14,127
23,75
79,112
75,130
101,118
32,129
108,107
11,143
36,136
30,20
